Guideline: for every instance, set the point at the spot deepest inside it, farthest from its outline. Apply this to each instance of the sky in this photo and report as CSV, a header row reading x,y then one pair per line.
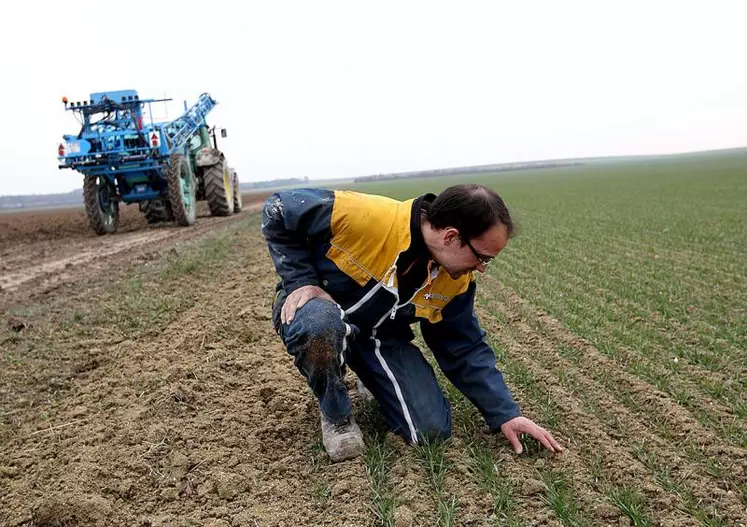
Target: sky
x,y
343,89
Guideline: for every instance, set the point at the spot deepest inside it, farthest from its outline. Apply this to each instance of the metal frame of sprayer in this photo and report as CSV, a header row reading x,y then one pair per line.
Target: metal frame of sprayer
x,y
119,146
165,167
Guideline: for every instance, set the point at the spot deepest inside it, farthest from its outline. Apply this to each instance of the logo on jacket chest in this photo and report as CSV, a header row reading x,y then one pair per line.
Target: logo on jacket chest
x,y
436,296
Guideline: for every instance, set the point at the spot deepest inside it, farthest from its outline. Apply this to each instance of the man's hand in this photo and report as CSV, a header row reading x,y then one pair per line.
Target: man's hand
x,y
298,298
521,425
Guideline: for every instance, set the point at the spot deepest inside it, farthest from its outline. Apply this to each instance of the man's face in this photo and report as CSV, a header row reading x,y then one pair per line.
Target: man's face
x,y
459,257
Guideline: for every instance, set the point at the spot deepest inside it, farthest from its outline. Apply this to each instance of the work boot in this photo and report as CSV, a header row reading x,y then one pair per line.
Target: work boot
x,y
363,393
342,440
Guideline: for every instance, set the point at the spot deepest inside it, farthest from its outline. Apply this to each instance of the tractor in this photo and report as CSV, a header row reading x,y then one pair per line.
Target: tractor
x,y
164,167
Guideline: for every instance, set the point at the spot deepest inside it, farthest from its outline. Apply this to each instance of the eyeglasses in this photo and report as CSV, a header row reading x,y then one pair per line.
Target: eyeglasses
x,y
483,258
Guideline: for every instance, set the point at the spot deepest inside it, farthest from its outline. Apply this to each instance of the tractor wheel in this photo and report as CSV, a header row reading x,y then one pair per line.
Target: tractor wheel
x,y
218,189
156,210
102,207
182,187
238,202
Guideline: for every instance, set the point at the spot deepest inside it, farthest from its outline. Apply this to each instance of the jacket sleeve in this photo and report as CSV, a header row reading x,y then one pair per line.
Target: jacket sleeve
x,y
292,222
458,344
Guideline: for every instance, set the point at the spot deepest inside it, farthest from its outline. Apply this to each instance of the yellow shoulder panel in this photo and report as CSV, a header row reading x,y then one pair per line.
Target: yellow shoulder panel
x,y
368,233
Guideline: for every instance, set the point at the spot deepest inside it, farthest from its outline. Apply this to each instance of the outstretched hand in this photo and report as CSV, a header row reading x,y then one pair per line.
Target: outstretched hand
x,y
298,298
521,425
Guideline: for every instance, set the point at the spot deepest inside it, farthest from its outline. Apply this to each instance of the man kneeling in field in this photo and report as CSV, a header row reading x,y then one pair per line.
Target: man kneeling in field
x,y
356,270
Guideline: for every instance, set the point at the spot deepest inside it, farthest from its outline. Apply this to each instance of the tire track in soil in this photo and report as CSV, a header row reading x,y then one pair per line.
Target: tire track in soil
x,y
522,342
32,272
108,246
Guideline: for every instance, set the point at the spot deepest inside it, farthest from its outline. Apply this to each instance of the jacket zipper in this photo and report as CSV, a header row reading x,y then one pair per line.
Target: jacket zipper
x,y
397,306
392,314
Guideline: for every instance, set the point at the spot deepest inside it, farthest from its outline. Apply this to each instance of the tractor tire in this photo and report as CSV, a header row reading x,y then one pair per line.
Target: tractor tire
x,y
218,189
156,211
182,194
102,208
238,202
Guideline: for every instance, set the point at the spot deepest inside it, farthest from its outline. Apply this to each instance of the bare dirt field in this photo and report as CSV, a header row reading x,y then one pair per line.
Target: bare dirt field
x,y
141,383
43,250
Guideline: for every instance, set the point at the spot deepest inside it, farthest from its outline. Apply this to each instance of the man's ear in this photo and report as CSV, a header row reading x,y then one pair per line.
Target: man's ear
x,y
450,235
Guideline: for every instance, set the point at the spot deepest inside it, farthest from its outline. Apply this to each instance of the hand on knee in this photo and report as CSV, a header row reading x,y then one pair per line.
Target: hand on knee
x,y
299,298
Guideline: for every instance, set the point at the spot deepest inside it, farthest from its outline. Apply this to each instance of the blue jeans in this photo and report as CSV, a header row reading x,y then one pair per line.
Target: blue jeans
x,y
323,344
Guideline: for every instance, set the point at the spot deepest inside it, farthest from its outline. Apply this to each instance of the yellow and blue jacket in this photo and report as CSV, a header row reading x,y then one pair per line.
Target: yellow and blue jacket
x,y
350,244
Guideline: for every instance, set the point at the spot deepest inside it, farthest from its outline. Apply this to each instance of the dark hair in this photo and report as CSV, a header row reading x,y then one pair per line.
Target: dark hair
x,y
469,208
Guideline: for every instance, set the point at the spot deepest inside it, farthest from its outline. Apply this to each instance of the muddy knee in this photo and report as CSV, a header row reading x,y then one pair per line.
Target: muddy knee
x,y
318,331
320,354
321,316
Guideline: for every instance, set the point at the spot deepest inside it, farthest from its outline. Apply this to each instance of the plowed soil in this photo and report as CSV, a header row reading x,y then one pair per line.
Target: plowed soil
x,y
46,249
141,383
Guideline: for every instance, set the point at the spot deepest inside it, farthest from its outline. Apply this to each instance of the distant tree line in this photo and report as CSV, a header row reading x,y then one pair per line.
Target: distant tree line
x,y
74,197
287,182
480,169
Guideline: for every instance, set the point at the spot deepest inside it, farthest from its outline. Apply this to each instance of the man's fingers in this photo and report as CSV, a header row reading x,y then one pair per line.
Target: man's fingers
x,y
302,299
546,439
554,443
289,312
301,302
292,308
294,302
285,312
513,438
289,308
521,425
297,299
542,438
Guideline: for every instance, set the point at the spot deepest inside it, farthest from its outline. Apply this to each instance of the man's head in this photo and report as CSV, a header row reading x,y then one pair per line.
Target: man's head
x,y
465,227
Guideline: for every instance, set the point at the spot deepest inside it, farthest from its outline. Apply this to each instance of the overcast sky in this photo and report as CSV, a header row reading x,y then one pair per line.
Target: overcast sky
x,y
342,89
